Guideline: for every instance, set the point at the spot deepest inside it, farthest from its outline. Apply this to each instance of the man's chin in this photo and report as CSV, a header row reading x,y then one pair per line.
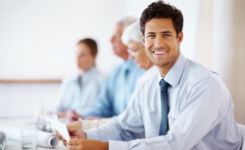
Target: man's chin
x,y
160,64
115,52
118,54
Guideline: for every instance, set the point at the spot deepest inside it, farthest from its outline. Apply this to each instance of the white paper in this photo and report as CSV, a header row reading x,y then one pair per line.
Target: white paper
x,y
47,139
62,129
12,133
44,139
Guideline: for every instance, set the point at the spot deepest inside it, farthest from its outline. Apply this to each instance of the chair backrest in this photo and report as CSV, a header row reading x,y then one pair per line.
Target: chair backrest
x,y
242,131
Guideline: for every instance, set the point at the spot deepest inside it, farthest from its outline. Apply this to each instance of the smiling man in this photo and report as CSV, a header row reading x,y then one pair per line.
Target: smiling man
x,y
183,106
162,43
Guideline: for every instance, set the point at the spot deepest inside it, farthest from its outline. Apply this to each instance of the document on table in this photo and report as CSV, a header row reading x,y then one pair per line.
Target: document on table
x,y
62,129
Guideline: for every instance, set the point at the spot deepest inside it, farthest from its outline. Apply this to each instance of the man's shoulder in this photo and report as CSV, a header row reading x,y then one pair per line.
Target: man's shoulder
x,y
197,74
149,79
70,82
199,83
99,75
70,79
148,76
116,74
120,68
117,68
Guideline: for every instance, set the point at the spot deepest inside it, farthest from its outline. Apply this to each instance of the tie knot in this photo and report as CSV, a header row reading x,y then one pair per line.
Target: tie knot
x,y
164,85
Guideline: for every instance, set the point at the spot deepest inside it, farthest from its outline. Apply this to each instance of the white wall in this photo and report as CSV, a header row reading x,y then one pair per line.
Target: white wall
x,y
38,37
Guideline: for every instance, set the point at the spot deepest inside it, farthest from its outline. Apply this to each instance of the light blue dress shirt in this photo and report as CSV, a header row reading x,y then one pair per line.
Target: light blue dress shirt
x,y
118,89
79,93
201,114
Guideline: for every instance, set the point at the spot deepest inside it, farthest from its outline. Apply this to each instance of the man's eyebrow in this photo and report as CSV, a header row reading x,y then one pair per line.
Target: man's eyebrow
x,y
166,32
161,32
150,33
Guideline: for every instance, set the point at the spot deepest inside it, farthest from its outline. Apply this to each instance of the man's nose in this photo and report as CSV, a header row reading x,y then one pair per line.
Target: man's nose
x,y
159,42
112,39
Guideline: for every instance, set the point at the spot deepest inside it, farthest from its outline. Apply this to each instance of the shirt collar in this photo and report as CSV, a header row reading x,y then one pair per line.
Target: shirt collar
x,y
85,76
174,74
128,64
88,74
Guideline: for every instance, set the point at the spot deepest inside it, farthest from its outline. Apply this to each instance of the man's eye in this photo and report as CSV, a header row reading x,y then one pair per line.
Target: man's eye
x,y
82,55
150,36
167,35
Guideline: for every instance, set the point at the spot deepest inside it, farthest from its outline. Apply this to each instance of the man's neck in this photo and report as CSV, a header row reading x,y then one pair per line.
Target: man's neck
x,y
165,68
125,57
148,67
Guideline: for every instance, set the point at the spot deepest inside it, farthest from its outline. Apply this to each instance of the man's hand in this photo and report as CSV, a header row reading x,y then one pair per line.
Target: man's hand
x,y
75,131
83,144
61,138
93,118
70,115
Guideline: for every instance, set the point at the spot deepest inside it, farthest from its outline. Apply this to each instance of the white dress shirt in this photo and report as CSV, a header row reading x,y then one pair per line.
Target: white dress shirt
x,y
201,114
79,93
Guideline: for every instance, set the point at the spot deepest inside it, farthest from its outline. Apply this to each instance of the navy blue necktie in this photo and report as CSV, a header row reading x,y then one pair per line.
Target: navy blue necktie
x,y
165,107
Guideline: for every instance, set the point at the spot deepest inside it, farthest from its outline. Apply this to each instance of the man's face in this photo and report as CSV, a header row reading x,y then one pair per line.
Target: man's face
x,y
161,42
137,53
85,60
118,47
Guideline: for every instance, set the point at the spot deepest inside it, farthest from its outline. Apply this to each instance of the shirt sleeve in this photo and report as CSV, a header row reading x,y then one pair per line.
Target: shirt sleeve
x,y
206,106
102,105
61,98
124,127
89,124
91,92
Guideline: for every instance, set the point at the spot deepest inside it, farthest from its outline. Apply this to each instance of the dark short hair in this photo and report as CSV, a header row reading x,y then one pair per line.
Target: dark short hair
x,y
161,9
91,44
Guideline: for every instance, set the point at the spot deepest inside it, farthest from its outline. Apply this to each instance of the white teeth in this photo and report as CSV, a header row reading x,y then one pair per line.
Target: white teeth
x,y
159,52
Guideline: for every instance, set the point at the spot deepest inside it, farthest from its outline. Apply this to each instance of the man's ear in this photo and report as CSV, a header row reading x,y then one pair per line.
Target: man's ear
x,y
180,37
143,39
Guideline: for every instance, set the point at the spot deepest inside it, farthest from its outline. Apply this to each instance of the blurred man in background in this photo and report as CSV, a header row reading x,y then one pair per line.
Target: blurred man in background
x,y
78,93
114,97
132,38
120,84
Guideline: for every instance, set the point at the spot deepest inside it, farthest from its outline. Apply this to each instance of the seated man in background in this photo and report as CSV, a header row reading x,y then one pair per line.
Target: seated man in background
x,y
113,98
182,106
132,38
79,92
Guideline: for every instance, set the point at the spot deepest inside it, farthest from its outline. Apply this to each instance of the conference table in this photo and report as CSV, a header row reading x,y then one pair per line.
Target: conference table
x,y
17,122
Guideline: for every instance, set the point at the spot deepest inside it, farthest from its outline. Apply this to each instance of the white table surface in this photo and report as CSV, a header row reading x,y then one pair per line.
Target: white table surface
x,y
17,122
